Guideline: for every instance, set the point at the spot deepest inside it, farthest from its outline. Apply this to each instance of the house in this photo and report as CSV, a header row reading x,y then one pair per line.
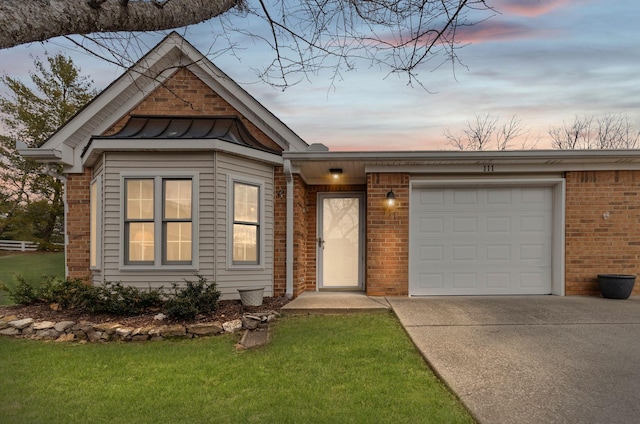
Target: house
x,y
174,170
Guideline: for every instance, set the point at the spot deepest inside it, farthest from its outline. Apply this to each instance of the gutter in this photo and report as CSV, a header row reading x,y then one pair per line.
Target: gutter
x,y
289,241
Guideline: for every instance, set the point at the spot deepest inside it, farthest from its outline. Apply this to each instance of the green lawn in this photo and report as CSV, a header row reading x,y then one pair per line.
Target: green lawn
x,y
31,266
317,369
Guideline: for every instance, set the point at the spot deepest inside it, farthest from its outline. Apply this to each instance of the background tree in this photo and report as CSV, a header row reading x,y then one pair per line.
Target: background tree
x,y
31,113
487,133
305,36
609,131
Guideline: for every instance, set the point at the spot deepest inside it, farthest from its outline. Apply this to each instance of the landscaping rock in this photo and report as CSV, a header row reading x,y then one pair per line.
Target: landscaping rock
x,y
124,332
64,325
21,323
232,326
50,333
160,317
172,330
251,322
8,318
204,329
3,325
10,331
66,337
140,338
107,327
44,325
94,336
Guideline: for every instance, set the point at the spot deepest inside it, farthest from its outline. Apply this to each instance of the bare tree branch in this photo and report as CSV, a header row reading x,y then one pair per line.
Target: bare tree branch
x,y
610,131
306,36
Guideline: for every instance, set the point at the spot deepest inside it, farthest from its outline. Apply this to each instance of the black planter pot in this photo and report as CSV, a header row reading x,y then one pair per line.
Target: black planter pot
x,y
616,286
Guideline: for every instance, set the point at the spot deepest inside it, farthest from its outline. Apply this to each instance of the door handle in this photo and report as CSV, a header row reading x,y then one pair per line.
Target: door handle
x,y
321,242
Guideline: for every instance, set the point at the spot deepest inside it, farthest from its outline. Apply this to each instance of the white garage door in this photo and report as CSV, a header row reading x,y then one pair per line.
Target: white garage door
x,y
474,241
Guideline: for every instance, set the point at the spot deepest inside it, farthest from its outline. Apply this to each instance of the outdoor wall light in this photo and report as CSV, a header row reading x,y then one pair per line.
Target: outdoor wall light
x,y
391,199
336,173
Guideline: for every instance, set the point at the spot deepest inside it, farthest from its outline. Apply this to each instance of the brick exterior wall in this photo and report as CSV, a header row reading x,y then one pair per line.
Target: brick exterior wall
x,y
595,245
387,259
184,94
300,236
78,225
279,232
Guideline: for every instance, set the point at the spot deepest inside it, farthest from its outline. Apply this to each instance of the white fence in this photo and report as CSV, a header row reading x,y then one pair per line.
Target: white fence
x,y
18,246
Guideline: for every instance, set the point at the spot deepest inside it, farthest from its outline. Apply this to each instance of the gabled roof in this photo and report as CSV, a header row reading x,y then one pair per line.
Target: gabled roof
x,y
174,52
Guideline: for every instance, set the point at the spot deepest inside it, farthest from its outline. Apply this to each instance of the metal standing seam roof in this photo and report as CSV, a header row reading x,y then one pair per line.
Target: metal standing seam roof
x,y
227,128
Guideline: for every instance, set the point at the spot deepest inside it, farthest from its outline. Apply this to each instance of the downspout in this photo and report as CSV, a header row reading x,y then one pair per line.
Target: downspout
x,y
289,219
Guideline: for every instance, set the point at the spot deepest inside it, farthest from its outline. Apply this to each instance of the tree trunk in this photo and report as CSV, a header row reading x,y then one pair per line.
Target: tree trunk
x,y
24,21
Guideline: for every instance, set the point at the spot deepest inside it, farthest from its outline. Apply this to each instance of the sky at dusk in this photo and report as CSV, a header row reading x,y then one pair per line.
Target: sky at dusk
x,y
544,61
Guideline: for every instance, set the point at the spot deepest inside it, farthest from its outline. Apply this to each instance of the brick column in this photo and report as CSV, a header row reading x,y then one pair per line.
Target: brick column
x,y
387,259
78,226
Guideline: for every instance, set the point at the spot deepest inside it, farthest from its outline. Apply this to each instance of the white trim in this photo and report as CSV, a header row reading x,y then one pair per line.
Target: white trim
x,y
558,186
361,236
98,216
231,179
158,177
100,146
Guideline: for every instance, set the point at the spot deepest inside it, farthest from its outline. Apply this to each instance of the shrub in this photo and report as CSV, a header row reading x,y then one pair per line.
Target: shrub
x,y
117,299
196,297
23,293
68,294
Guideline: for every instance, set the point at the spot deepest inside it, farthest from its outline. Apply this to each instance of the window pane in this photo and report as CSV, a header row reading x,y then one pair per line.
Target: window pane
x,y
141,245
177,199
139,199
178,241
245,243
245,207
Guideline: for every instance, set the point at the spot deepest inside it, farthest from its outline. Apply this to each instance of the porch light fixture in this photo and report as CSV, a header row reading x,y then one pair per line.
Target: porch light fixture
x,y
391,199
336,173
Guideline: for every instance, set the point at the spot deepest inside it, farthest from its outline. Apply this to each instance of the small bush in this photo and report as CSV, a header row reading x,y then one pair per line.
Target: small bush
x,y
196,297
186,302
67,293
23,293
117,299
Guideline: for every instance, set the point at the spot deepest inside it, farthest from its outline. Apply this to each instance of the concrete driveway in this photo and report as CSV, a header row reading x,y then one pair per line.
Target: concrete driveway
x,y
532,359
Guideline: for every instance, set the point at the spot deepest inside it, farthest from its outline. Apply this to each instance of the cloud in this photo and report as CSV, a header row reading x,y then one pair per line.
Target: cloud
x,y
529,8
500,31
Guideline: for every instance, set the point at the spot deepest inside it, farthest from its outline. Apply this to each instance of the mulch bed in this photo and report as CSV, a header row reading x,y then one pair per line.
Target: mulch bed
x,y
228,310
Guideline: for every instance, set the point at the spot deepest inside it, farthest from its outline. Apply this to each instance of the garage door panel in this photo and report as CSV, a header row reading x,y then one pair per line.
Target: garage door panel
x,y
481,241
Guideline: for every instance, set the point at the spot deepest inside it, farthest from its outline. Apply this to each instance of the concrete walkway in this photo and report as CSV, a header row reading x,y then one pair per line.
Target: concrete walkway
x,y
335,303
532,359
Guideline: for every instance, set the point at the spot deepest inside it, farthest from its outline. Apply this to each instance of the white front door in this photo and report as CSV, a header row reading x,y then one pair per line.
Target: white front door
x,y
340,240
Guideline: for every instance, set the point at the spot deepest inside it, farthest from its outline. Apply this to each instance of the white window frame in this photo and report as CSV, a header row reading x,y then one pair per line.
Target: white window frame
x,y
231,180
158,178
95,223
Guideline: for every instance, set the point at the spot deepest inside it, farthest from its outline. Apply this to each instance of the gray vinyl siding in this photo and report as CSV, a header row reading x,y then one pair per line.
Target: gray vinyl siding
x,y
212,169
231,278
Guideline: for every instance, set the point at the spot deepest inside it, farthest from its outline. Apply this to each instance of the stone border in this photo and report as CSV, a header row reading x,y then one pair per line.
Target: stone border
x,y
85,331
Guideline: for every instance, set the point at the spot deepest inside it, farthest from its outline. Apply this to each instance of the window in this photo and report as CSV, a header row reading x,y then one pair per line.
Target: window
x,y
158,208
246,224
94,205
177,221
